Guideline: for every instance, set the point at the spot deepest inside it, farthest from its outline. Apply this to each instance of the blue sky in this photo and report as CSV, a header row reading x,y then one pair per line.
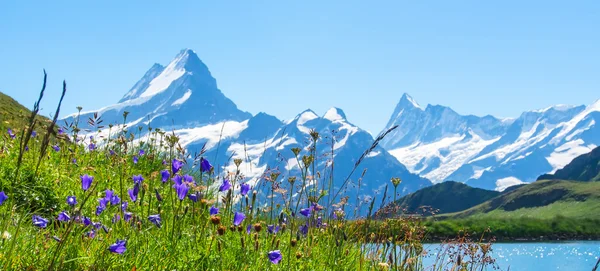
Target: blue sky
x,y
281,57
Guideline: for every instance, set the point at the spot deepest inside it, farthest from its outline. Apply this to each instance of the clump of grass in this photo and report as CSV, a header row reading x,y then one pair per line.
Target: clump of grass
x,y
110,199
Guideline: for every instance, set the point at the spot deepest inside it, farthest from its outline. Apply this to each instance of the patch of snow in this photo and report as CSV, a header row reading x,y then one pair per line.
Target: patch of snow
x,y
564,154
558,107
212,133
571,124
478,172
184,98
171,73
373,154
523,142
413,102
502,184
459,153
332,115
580,130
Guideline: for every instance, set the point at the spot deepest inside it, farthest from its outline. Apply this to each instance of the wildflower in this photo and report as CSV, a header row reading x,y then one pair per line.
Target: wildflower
x,y
33,133
116,218
225,186
205,165
272,229
158,197
56,148
63,216
141,152
118,247
133,194
60,131
102,202
112,152
155,219
275,256
91,234
99,209
193,197
39,221
6,235
74,161
87,221
303,229
188,178
124,206
176,165
3,197
165,175
305,212
213,210
11,134
135,159
181,189
86,181
238,218
26,148
178,179
92,146
249,229
137,179
244,189
114,200
127,216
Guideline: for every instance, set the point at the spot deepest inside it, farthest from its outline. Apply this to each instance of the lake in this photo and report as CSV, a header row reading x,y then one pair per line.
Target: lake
x,y
573,256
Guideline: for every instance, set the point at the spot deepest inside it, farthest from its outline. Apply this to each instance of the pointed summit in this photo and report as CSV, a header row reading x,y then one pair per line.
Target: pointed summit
x,y
334,114
407,101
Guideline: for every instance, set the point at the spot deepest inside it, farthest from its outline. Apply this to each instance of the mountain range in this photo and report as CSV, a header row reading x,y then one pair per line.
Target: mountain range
x,y
428,145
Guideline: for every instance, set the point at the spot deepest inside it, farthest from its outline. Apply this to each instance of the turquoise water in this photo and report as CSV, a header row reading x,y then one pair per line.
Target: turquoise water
x,y
573,256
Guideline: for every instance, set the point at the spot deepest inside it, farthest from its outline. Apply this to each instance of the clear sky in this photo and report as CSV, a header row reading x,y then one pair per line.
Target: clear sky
x,y
281,57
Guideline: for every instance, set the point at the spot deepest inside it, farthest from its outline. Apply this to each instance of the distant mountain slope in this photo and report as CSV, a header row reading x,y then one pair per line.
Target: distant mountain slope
x,y
440,144
585,167
446,197
541,199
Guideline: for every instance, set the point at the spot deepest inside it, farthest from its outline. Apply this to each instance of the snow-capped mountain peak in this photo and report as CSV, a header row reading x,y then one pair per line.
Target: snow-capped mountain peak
x,y
408,101
181,94
335,114
440,144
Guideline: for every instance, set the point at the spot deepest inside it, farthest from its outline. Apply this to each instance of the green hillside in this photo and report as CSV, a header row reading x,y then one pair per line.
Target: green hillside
x,y
585,168
15,116
445,197
541,199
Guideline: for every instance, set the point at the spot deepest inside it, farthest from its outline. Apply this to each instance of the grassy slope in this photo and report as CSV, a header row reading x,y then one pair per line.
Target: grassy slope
x,y
541,199
15,116
446,197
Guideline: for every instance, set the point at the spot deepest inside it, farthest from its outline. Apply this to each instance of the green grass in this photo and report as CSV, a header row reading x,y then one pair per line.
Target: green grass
x,y
543,200
188,237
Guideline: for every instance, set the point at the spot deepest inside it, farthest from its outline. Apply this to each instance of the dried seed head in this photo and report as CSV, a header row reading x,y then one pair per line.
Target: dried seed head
x,y
296,151
298,255
216,220
257,227
221,230
293,242
237,162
